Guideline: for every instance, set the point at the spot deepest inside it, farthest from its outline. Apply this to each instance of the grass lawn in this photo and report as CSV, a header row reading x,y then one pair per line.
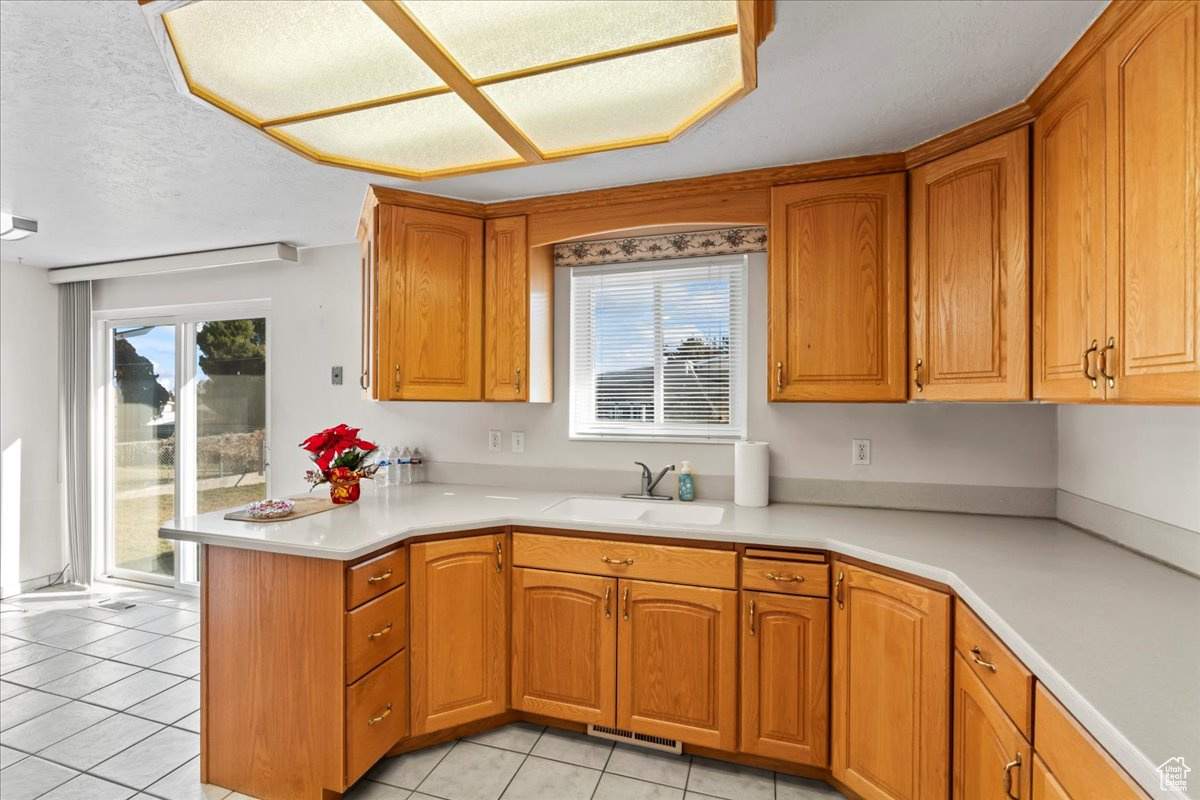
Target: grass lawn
x,y
138,519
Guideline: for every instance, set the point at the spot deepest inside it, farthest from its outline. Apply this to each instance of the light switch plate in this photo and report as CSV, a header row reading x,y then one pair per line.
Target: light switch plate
x,y
518,441
494,442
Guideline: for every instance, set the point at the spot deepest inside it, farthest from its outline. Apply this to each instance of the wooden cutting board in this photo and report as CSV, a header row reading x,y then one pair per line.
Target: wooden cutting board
x,y
306,505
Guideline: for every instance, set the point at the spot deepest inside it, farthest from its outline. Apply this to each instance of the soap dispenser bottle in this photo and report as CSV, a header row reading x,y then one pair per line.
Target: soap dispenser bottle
x,y
687,484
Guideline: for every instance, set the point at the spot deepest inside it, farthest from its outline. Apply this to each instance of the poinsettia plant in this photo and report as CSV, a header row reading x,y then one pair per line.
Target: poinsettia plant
x,y
339,454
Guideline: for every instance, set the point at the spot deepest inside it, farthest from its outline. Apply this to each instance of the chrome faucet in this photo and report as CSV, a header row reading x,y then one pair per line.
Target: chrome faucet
x,y
649,482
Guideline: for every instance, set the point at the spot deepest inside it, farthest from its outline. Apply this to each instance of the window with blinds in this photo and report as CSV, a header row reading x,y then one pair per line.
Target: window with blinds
x,y
658,349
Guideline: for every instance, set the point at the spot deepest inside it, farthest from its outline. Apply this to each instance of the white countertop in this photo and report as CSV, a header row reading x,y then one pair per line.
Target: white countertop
x,y
1114,636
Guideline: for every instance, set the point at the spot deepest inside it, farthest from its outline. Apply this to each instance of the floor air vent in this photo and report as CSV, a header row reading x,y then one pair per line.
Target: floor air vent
x,y
640,739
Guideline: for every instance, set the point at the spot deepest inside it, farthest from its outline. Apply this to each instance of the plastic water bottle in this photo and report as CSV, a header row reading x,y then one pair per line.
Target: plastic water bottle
x,y
383,471
394,466
418,466
406,467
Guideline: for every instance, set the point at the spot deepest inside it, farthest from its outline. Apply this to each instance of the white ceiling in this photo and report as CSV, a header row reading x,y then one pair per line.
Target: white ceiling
x,y
98,147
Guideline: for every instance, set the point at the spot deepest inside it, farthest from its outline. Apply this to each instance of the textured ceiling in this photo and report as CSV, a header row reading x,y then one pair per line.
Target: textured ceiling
x,y
98,147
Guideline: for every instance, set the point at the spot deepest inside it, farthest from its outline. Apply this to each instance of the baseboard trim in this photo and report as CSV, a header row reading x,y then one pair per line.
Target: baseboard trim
x,y
30,585
1012,501
1161,541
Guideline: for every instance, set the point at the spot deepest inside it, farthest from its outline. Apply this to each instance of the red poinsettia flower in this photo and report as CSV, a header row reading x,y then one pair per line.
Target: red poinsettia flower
x,y
338,445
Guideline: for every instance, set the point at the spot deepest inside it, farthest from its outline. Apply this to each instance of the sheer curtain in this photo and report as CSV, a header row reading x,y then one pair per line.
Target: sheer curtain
x,y
74,381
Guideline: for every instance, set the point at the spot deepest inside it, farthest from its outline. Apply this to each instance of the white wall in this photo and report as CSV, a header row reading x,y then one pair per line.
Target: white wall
x,y
315,325
31,531
1141,459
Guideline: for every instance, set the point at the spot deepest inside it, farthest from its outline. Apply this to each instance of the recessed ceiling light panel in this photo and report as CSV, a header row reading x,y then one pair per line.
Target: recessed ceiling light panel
x,y
429,88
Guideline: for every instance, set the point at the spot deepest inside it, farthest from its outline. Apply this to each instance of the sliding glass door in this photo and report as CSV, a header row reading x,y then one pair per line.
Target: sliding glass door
x,y
186,433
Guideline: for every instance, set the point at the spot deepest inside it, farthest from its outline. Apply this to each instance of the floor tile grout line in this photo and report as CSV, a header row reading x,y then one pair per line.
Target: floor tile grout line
x,y
114,658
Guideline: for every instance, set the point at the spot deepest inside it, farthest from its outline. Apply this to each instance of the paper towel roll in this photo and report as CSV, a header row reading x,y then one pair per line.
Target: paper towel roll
x,y
751,473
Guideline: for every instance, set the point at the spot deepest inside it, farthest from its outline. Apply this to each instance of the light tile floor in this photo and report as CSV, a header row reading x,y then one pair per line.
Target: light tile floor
x,y
97,704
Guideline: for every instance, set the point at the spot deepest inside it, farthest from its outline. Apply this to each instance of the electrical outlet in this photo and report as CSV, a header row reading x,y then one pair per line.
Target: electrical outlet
x,y
518,441
335,376
860,451
494,442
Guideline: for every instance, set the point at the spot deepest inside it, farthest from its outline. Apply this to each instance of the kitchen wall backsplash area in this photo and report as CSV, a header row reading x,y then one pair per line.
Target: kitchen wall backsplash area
x,y
990,458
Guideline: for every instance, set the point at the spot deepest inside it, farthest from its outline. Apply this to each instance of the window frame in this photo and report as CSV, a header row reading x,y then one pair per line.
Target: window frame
x,y
739,355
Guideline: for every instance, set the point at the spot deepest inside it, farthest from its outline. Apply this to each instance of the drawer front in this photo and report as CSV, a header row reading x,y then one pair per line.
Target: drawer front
x,y
368,580
995,665
375,631
652,562
785,577
376,715
1082,768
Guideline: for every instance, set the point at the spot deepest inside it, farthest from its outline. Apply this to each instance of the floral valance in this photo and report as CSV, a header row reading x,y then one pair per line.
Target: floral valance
x,y
722,242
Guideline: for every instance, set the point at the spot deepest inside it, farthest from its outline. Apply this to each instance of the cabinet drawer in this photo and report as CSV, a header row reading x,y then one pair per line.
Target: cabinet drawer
x,y
653,562
995,665
375,631
786,577
1082,768
376,714
372,578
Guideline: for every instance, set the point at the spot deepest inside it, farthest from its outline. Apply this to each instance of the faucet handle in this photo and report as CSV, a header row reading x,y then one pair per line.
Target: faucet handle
x,y
645,469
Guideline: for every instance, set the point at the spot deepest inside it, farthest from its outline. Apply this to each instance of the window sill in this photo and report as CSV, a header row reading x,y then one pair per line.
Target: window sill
x,y
725,440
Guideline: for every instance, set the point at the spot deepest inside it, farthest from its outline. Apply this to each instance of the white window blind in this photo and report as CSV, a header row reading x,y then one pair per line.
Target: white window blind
x,y
659,349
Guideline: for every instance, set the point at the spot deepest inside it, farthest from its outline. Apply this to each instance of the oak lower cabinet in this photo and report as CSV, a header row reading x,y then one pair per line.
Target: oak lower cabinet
x,y
564,645
969,273
992,760
836,291
785,677
890,686
459,631
676,662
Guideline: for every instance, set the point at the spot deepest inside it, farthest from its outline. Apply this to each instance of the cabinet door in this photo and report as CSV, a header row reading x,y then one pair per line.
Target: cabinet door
x,y
1152,72
890,687
785,677
676,662
992,760
564,645
969,273
459,631
1045,786
835,302
369,346
430,305
1068,240
506,310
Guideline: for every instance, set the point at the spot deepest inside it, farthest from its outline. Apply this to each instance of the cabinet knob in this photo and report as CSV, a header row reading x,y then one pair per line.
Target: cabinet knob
x,y
1085,363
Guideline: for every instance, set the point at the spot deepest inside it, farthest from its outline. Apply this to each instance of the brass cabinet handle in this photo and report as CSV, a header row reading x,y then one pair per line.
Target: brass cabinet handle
x,y
499,556
625,603
751,617
778,377
383,576
976,656
518,385
1102,362
380,633
397,377
1085,362
837,589
1008,781
917,375
608,602
617,561
785,578
382,716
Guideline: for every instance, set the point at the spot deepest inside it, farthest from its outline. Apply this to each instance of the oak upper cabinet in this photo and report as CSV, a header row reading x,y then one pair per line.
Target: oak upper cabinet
x,y
518,314
676,662
458,631
992,760
785,677
564,645
1150,351
430,285
836,291
969,273
1068,240
890,686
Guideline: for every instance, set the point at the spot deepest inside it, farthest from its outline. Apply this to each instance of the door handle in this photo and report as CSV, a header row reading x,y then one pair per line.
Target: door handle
x,y
1008,780
751,617
625,603
607,602
778,377
517,387
1085,363
1102,362
917,376
976,656
397,382
499,556
837,589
